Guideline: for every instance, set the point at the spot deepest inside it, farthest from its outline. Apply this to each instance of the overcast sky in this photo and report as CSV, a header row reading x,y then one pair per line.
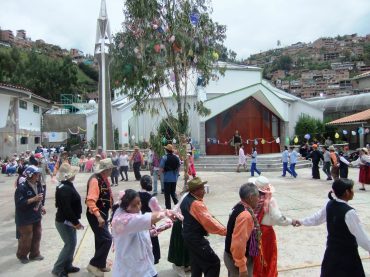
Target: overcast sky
x,y
252,25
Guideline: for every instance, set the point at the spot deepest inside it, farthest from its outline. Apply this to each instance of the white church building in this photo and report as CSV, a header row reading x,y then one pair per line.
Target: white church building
x,y
240,100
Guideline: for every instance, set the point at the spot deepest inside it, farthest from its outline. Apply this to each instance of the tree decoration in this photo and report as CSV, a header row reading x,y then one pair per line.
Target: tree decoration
x,y
263,141
287,141
277,140
255,142
353,133
336,135
296,140
307,136
360,131
215,56
194,18
367,130
133,137
172,39
157,48
345,132
164,140
174,141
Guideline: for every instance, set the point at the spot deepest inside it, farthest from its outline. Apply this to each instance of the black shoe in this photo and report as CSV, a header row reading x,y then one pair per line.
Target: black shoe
x,y
122,180
72,269
154,194
126,180
37,258
24,260
329,179
63,274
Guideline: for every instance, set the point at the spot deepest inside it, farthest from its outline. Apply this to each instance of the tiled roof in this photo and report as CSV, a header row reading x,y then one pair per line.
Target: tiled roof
x,y
357,117
361,76
24,90
14,86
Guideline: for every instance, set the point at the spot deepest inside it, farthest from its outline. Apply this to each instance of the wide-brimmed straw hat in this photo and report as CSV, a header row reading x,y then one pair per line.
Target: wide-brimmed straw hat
x,y
331,148
365,150
136,148
66,172
263,184
195,184
169,147
105,164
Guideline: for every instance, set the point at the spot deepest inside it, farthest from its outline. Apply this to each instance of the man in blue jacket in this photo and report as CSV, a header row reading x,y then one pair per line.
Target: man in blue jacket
x,y
29,208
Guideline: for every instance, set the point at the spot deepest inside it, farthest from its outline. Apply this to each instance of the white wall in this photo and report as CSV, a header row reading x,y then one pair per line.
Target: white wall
x,y
4,108
91,120
296,109
28,119
233,80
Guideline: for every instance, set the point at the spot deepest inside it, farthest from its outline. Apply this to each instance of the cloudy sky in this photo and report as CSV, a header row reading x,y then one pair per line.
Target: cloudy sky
x,y
252,25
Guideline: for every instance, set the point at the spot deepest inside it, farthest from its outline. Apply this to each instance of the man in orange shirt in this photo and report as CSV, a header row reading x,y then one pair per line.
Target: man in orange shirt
x,y
243,234
99,201
197,223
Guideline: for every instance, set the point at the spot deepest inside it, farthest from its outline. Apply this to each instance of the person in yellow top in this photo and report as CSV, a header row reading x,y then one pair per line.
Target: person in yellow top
x,y
243,234
197,223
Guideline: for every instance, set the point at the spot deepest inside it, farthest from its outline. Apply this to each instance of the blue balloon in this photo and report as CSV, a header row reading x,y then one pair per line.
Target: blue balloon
x,y
345,132
307,136
194,18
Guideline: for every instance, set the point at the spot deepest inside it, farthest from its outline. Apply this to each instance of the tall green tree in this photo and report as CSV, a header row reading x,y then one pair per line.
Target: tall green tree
x,y
162,43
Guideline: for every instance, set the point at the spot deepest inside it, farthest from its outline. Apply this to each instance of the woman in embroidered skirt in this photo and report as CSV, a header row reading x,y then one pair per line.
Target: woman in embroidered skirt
x,y
268,214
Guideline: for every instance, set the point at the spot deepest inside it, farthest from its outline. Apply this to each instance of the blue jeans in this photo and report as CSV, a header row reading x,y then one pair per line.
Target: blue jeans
x,y
254,169
286,169
292,170
65,258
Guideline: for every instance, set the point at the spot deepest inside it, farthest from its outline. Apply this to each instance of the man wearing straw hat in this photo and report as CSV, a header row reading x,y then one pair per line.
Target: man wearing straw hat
x,y
67,219
99,201
170,165
197,223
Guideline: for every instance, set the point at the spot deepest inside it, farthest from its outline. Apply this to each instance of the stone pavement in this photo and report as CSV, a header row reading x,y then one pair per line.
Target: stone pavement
x,y
300,249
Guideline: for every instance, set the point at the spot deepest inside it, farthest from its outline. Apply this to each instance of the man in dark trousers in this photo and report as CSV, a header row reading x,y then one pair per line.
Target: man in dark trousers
x,y
315,156
197,223
99,201
170,165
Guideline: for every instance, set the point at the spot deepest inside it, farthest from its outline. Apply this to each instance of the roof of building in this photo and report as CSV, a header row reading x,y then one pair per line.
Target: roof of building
x,y
362,76
344,103
23,91
354,118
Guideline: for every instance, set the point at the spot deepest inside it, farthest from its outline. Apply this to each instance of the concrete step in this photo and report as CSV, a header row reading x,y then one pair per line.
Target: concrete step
x,y
265,163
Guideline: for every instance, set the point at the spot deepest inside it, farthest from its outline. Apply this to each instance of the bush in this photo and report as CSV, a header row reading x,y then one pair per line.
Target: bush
x,y
315,127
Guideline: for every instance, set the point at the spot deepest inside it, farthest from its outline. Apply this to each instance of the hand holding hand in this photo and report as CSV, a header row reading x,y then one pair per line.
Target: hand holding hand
x,y
43,211
79,226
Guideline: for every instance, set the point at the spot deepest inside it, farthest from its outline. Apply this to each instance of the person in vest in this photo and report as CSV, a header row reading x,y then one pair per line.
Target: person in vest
x,y
99,201
343,165
285,160
170,165
268,214
149,204
345,232
29,208
334,172
197,224
67,218
138,161
243,234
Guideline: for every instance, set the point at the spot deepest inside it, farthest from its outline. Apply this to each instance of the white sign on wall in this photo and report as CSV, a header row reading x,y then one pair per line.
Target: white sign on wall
x,y
57,136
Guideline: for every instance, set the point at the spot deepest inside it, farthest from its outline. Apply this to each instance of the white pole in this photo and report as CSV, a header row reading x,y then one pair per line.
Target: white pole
x,y
103,93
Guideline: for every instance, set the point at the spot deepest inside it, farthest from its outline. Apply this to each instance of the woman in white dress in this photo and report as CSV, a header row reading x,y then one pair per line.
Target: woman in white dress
x,y
242,159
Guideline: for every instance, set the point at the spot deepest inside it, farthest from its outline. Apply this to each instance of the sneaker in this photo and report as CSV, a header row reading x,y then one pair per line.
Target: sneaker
x,y
63,274
95,271
37,258
24,260
72,269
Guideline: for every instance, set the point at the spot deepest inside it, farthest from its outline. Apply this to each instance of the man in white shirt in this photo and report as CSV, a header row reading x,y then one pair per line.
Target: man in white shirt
x,y
123,164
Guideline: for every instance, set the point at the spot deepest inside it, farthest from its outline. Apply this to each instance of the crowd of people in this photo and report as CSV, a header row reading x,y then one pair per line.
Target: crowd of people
x,y
134,223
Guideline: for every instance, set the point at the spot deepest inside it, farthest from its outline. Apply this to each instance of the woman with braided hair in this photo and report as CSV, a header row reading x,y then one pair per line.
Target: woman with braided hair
x,y
268,214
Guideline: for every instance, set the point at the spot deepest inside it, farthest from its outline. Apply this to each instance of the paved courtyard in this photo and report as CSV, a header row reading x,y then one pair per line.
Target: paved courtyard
x,y
300,249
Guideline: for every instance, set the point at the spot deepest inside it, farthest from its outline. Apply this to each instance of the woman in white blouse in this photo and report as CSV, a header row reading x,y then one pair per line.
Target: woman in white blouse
x,y
130,230
345,232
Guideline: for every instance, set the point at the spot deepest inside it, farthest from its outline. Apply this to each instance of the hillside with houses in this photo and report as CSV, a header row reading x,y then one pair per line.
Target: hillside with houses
x,y
327,67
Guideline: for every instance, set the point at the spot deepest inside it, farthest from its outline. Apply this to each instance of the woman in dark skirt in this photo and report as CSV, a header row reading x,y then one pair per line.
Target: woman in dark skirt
x,y
345,233
178,254
148,204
